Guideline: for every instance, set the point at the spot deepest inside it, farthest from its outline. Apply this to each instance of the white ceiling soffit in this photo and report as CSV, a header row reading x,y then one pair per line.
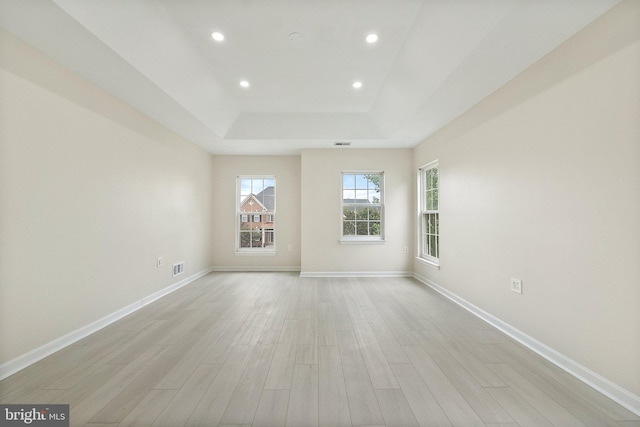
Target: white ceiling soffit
x,y
433,61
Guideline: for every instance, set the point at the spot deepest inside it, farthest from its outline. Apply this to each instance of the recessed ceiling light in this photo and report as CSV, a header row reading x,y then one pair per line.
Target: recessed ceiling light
x,y
244,83
372,38
357,85
217,36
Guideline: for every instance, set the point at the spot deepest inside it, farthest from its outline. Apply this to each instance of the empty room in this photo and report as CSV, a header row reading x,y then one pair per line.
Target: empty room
x,y
227,213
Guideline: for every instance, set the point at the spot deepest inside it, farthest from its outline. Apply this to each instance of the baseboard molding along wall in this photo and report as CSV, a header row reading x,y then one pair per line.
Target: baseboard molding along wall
x,y
356,274
12,366
234,268
611,390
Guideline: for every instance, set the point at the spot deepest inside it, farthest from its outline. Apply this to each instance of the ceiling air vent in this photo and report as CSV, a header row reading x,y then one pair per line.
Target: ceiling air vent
x,y
342,144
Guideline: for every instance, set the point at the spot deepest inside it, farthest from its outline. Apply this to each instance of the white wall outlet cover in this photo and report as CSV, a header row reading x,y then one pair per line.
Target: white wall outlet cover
x,y
516,285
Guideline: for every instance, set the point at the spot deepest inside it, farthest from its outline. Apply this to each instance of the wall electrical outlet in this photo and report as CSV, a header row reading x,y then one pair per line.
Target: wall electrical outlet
x,y
289,247
516,285
160,262
406,249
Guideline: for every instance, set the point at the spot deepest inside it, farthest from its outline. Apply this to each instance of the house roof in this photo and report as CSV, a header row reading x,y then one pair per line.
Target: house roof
x,y
265,199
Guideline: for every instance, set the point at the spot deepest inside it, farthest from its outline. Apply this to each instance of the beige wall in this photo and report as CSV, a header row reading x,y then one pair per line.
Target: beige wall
x,y
321,214
91,193
286,169
541,181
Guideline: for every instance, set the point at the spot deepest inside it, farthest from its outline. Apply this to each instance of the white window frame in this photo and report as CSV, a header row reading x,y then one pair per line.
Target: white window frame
x,y
423,215
269,251
351,239
244,218
256,218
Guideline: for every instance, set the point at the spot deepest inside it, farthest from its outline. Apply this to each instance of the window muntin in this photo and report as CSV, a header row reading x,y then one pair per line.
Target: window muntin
x,y
362,206
256,212
429,213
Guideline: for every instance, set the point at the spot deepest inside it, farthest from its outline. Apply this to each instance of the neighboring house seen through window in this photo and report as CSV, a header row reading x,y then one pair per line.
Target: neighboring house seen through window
x,y
362,206
256,214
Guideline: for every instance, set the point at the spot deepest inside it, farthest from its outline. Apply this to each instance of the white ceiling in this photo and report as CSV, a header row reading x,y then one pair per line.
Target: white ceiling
x,y
433,61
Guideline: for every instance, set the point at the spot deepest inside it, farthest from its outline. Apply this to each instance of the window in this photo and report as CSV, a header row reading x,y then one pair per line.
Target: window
x,y
429,214
256,203
362,206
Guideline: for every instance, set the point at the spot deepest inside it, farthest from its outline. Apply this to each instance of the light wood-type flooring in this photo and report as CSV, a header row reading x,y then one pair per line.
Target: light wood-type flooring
x,y
274,349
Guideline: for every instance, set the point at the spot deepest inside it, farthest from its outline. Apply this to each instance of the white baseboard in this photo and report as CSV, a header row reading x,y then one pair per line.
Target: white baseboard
x,y
356,274
613,391
235,268
37,354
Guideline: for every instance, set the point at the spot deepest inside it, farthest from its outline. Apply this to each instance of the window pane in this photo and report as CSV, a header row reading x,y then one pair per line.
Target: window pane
x,y
349,213
269,203
245,187
245,239
427,179
374,196
362,228
349,228
374,213
348,181
361,196
429,197
362,213
374,228
361,182
349,196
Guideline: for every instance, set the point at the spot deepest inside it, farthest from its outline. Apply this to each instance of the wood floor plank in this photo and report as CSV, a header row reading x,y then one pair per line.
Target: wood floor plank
x,y
374,358
395,408
480,372
363,404
326,327
451,401
303,400
307,342
211,407
180,408
246,397
424,405
333,401
272,409
523,413
284,359
477,397
149,408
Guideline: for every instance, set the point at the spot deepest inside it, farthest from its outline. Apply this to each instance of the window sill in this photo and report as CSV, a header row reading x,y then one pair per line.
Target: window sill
x,y
433,264
258,252
362,241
